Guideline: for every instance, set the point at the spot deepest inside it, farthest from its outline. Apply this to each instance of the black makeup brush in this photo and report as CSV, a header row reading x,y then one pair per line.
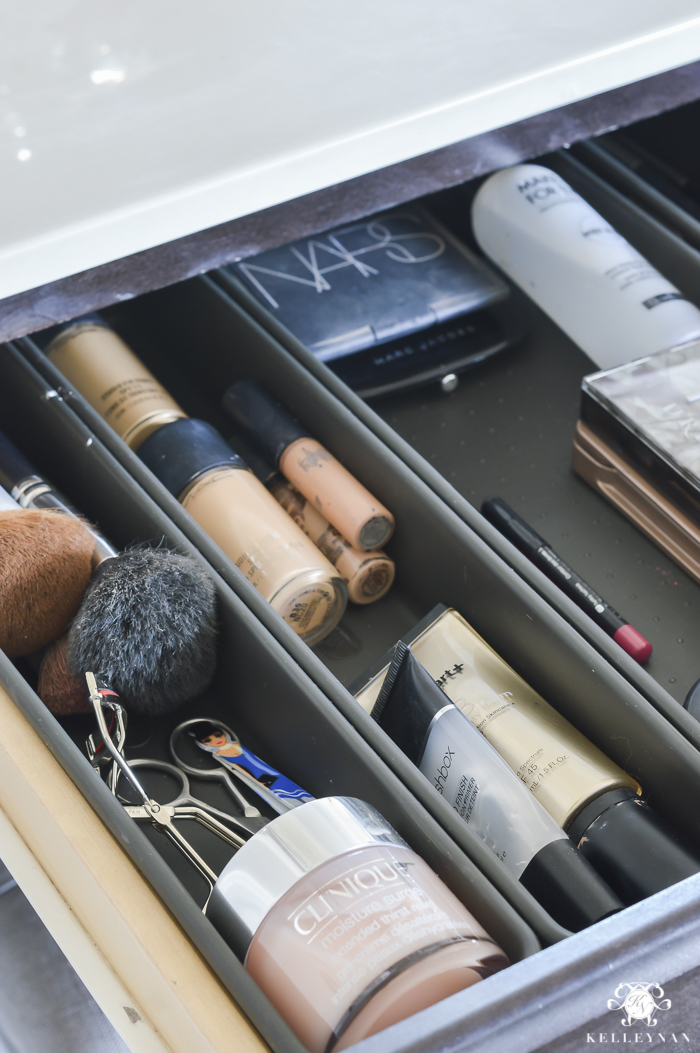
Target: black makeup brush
x,y
147,626
147,623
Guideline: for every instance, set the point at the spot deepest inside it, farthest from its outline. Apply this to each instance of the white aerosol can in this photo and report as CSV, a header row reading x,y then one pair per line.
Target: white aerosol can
x,y
578,269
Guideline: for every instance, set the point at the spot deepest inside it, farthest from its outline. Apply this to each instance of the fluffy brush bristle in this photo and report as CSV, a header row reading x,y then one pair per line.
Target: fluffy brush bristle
x,y
45,567
58,689
147,627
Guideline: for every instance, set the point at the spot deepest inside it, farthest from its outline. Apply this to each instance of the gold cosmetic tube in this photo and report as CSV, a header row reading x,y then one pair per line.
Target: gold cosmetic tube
x,y
368,575
558,765
219,491
109,375
354,512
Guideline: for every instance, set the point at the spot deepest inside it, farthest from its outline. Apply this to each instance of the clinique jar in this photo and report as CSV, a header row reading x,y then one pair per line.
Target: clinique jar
x,y
343,926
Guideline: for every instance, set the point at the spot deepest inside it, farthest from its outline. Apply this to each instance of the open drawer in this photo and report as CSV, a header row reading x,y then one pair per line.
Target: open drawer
x,y
196,339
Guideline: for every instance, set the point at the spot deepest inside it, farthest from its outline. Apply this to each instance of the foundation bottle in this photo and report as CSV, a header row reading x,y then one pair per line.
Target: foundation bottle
x,y
597,803
216,487
343,926
110,377
309,467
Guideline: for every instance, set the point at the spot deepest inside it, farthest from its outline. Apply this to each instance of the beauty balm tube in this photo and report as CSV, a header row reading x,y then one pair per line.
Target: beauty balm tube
x,y
216,487
308,466
109,375
593,799
578,269
474,780
343,926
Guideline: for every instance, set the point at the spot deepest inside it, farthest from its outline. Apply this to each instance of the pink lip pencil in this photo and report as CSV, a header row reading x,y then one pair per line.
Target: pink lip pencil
x,y
539,552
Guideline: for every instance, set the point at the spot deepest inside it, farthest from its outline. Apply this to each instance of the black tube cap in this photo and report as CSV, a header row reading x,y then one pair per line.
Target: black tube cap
x,y
568,887
632,847
180,451
268,423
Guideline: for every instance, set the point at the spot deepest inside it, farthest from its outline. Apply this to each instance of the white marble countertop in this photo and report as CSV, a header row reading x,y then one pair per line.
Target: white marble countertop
x,y
127,125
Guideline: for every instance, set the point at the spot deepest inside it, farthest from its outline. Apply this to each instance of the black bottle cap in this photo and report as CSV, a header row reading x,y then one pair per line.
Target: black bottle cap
x,y
565,883
408,702
270,425
633,848
46,336
180,451
512,526
14,466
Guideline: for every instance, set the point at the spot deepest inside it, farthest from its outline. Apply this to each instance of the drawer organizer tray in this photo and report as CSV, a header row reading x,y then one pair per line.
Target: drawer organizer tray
x,y
515,418
272,704
197,340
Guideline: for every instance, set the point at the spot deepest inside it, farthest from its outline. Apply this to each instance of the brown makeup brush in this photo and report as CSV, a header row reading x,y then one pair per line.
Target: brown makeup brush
x,y
58,689
45,568
147,621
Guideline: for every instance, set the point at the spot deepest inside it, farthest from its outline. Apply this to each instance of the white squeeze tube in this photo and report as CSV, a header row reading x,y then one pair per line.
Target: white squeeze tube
x,y
487,795
578,269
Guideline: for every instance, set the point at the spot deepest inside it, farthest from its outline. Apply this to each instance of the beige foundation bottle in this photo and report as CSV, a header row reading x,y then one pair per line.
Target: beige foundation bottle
x,y
216,487
338,495
343,926
111,378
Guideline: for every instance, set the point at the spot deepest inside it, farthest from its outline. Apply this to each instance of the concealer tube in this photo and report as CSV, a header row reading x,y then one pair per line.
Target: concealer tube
x,y
109,375
343,926
593,799
308,466
216,487
31,490
368,575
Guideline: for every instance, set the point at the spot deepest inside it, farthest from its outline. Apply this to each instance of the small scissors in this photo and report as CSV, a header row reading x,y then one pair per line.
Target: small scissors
x,y
162,816
224,773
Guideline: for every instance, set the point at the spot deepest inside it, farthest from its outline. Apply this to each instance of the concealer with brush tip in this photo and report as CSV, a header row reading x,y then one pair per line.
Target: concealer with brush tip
x,y
368,575
338,495
220,492
110,377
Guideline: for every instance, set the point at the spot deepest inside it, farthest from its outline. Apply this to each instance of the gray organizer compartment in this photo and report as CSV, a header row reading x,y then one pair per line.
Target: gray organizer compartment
x,y
425,418
197,340
264,695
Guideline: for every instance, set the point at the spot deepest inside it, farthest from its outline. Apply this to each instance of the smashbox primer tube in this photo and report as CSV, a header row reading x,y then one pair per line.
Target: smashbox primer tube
x,y
478,784
592,798
343,926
